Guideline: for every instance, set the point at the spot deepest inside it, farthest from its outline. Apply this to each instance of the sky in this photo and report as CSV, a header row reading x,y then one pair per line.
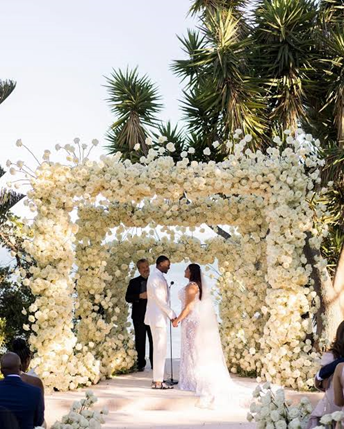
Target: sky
x,y
58,52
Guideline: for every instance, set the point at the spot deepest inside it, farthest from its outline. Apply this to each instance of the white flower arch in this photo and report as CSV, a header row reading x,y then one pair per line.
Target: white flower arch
x,y
267,294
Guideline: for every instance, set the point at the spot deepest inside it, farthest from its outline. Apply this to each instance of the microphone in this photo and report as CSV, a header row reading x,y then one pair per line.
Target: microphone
x,y
171,381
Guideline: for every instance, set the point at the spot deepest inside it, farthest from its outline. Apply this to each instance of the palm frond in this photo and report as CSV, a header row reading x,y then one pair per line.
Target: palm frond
x,y
135,102
333,70
173,134
333,169
284,41
8,199
6,89
192,45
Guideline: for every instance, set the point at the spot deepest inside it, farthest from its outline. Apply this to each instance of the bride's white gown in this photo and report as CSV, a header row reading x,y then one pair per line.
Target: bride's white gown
x,y
203,368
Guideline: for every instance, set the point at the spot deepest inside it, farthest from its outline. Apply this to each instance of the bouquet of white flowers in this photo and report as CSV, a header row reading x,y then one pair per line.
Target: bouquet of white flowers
x,y
81,415
271,410
332,421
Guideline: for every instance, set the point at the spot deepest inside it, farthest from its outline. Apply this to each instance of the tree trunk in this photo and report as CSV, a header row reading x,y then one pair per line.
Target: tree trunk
x,y
330,298
338,283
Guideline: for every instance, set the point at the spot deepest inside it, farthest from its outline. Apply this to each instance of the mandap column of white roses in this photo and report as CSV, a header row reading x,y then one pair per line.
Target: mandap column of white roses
x,y
79,320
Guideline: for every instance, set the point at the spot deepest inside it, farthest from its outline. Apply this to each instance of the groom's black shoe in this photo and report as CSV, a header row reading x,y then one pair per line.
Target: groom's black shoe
x,y
141,369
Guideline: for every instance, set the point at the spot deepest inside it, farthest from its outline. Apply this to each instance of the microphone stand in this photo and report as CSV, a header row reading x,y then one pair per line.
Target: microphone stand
x,y
171,381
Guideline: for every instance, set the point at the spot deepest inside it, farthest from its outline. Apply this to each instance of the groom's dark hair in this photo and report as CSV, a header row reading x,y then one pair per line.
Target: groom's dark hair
x,y
161,258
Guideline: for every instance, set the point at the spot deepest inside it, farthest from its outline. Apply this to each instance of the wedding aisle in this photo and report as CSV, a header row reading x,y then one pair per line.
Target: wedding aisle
x,y
132,404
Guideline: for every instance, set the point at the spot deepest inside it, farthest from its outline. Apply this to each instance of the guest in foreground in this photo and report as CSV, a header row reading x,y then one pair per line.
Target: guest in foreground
x,y
24,401
20,347
338,385
327,404
157,317
137,296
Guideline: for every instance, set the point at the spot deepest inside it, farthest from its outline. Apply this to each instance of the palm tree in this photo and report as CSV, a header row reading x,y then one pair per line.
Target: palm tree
x,y
135,102
7,198
283,36
221,92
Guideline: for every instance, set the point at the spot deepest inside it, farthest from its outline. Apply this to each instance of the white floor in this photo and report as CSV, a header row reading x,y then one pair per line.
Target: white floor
x,y
133,404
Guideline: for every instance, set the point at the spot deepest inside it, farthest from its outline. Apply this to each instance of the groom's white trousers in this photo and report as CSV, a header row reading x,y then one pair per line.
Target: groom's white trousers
x,y
159,351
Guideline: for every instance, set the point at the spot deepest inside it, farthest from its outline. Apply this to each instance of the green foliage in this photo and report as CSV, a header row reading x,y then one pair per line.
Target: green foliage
x,y
134,100
2,332
222,93
283,56
173,135
6,89
8,199
14,297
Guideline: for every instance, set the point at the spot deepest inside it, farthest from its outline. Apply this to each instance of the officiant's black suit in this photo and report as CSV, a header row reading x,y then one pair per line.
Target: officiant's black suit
x,y
136,286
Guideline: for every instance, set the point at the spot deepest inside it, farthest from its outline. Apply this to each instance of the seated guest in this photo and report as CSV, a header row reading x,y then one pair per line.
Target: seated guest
x,y
7,419
20,347
327,404
24,401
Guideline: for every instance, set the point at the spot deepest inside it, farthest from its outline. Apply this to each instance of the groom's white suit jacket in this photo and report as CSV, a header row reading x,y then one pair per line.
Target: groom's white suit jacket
x,y
158,311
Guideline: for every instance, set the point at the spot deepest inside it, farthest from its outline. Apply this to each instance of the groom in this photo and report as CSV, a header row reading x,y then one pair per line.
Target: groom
x,y
158,315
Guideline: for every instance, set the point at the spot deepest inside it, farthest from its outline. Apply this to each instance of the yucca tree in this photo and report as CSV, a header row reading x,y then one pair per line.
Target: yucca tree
x,y
135,102
221,93
284,53
238,8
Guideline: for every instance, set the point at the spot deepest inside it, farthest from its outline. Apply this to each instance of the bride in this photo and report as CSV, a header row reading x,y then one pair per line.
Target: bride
x,y
203,368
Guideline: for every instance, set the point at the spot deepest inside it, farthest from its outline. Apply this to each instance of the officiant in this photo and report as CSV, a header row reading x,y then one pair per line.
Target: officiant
x,y
137,296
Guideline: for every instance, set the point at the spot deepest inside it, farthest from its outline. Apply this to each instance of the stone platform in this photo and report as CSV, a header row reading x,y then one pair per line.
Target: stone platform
x,y
133,404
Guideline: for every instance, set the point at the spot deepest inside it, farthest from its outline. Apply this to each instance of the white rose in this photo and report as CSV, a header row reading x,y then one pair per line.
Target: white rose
x,y
191,150
137,146
326,419
162,139
294,412
281,424
206,151
170,147
337,416
275,416
295,424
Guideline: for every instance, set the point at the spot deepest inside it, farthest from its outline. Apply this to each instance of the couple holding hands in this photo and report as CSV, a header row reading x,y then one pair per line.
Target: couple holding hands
x,y
203,368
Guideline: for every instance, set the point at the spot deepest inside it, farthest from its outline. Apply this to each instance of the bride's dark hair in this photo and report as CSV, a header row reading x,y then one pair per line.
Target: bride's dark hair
x,y
195,276
337,347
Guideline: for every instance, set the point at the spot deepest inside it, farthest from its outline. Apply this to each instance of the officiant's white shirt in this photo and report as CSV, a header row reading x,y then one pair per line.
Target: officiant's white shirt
x,y
158,312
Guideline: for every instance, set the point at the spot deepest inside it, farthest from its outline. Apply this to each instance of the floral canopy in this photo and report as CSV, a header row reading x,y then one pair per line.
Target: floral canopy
x,y
79,320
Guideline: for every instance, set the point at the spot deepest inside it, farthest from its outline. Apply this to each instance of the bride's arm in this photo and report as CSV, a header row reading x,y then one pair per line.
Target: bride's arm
x,y
190,293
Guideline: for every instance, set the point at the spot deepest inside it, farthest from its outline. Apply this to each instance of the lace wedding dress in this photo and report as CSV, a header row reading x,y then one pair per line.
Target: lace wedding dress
x,y
203,367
